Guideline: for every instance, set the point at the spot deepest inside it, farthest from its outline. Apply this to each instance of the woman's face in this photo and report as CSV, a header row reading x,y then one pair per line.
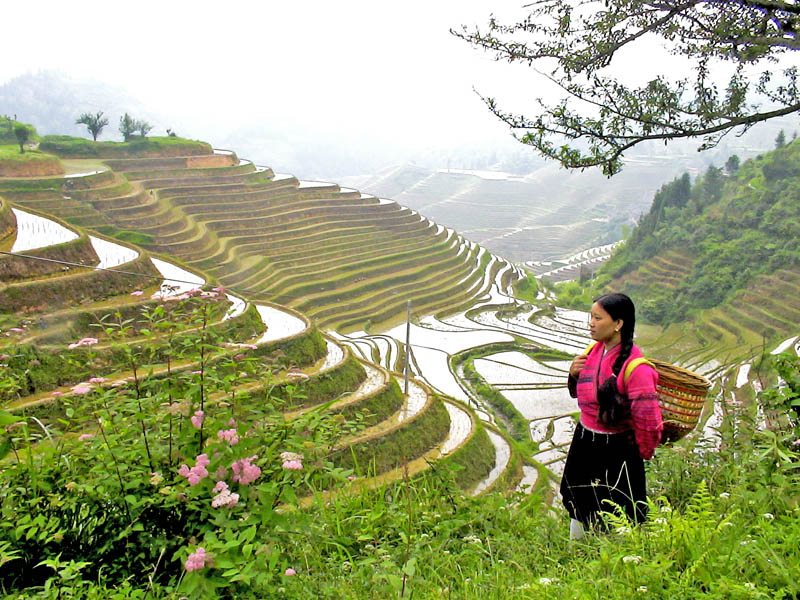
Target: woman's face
x,y
602,327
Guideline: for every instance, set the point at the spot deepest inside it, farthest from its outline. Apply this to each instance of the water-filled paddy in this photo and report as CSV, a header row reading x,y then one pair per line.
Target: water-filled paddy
x,y
34,231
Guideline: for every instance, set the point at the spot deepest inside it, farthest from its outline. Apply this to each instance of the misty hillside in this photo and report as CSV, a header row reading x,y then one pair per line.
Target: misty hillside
x,y
539,212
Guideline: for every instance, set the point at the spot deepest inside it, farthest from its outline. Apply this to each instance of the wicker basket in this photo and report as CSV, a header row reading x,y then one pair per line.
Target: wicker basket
x,y
681,395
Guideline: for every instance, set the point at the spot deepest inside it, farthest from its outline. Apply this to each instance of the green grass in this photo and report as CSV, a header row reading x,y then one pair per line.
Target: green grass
x,y
527,289
126,235
75,147
12,153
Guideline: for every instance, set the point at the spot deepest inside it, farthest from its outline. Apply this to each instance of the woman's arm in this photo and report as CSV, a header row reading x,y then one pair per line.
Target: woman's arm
x,y
645,411
574,370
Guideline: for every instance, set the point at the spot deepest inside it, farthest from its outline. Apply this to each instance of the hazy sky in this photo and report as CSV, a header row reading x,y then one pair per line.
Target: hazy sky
x,y
359,73
369,68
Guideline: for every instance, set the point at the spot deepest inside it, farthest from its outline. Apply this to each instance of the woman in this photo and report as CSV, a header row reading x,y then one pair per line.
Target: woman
x,y
620,423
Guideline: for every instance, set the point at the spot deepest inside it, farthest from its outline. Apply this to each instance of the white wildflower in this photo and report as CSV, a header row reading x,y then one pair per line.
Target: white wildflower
x,y
750,586
632,558
724,495
623,530
768,516
472,539
545,581
642,588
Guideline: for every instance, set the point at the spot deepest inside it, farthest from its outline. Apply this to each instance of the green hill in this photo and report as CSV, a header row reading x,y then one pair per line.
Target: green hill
x,y
703,243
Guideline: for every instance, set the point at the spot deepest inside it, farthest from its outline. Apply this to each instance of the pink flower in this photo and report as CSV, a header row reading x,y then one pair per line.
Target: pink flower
x,y
196,560
239,356
197,372
56,394
81,388
97,380
137,293
244,471
219,289
198,472
87,341
243,374
17,330
85,436
197,419
292,465
5,356
223,497
289,572
228,435
221,472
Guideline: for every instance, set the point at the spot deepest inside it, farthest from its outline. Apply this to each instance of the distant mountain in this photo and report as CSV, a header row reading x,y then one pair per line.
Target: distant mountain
x,y
546,212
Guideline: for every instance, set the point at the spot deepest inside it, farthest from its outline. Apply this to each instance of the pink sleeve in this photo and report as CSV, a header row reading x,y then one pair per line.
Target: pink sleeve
x,y
645,411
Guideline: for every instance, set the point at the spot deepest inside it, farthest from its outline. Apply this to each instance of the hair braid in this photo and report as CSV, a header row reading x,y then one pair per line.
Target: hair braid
x,y
613,406
626,345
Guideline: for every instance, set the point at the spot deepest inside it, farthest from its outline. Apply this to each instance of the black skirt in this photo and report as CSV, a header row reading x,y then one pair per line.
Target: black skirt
x,y
604,473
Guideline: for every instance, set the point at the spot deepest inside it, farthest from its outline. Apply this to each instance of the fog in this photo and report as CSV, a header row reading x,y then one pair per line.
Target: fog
x,y
378,75
313,88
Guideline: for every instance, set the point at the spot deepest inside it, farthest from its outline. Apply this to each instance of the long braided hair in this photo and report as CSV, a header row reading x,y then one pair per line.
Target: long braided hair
x,y
615,407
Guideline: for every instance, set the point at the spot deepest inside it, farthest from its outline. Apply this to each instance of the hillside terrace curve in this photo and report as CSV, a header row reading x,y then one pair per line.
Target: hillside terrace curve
x,y
184,233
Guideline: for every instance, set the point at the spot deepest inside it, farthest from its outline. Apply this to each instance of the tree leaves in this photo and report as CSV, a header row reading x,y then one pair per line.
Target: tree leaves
x,y
571,42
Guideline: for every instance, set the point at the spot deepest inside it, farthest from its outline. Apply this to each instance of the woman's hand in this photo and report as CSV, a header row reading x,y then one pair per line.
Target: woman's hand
x,y
577,365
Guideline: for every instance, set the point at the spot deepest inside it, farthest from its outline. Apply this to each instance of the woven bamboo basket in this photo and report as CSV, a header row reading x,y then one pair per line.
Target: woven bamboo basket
x,y
681,395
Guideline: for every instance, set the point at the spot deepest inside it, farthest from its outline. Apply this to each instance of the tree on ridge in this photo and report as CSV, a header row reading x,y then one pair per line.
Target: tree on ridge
x,y
127,127
571,42
143,127
94,123
23,134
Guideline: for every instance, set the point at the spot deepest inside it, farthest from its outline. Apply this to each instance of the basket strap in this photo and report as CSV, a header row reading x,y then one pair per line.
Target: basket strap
x,y
590,346
632,365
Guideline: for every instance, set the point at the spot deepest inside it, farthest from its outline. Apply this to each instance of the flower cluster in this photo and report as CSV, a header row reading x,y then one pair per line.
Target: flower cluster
x,y
197,560
197,419
224,497
196,474
292,461
228,435
244,471
87,341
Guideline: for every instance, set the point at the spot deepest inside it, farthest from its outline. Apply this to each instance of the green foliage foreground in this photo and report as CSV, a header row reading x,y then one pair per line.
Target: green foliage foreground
x,y
176,487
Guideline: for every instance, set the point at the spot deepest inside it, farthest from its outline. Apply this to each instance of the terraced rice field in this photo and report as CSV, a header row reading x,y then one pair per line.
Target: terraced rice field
x,y
346,259
352,261
440,429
